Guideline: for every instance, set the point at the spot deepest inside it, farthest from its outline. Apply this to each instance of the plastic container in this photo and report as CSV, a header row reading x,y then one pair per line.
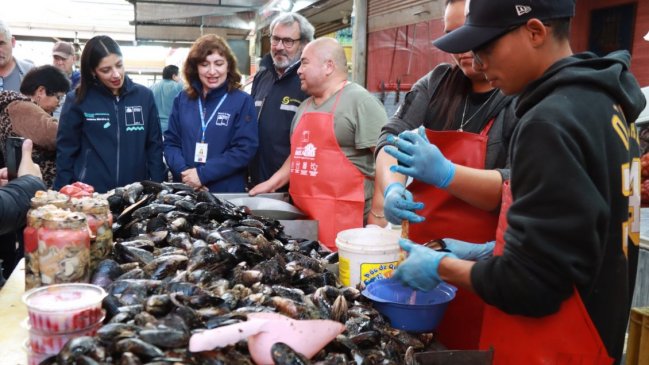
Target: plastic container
x,y
408,309
366,254
64,307
51,343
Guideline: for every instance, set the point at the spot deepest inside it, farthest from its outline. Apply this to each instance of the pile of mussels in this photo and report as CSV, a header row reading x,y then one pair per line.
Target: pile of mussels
x,y
186,261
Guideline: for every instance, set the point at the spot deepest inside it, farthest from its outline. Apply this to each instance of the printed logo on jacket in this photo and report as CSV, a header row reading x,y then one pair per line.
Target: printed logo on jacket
x,y
222,119
134,118
304,159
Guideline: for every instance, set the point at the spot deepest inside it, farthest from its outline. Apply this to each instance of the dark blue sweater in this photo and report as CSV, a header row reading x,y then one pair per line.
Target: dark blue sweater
x,y
231,137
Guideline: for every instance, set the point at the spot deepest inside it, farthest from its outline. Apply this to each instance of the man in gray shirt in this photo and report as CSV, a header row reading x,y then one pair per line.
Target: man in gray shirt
x,y
12,70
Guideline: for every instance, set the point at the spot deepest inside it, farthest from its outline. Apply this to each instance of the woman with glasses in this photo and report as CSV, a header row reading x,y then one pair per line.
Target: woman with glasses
x,y
109,133
29,115
212,134
456,109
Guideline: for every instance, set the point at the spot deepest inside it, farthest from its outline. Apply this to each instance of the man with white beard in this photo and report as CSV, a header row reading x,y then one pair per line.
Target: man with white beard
x,y
277,93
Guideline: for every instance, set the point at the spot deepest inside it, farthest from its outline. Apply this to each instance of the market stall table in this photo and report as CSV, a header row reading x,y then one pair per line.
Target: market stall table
x,y
12,312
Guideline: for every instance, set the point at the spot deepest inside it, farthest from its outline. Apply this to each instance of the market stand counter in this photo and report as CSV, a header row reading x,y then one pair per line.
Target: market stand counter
x,y
12,312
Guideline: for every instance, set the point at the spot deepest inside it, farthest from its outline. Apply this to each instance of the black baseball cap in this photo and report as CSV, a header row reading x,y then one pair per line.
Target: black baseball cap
x,y
487,20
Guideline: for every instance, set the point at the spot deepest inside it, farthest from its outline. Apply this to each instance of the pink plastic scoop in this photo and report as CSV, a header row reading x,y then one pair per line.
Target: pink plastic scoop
x,y
264,329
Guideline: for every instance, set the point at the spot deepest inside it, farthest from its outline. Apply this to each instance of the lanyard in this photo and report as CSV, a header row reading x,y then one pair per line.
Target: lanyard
x,y
202,114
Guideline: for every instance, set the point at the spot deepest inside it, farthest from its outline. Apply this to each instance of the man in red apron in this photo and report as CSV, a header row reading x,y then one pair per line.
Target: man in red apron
x,y
560,286
331,162
470,122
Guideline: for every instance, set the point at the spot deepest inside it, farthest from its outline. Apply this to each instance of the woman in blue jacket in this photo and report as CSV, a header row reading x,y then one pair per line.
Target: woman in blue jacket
x,y
109,132
212,135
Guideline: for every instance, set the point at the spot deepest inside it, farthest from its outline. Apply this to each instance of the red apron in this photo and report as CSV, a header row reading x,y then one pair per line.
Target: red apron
x,y
567,337
324,183
450,217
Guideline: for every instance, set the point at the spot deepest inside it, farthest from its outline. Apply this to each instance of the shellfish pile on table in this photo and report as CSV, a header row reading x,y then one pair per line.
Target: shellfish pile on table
x,y
186,261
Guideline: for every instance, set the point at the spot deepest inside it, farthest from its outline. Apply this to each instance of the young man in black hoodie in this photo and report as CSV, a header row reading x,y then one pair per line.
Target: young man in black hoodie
x,y
561,281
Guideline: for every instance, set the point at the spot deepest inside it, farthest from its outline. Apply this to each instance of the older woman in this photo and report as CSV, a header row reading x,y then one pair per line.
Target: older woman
x,y
110,131
29,115
212,133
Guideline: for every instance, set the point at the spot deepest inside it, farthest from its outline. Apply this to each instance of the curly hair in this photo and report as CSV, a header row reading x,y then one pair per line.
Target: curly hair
x,y
203,47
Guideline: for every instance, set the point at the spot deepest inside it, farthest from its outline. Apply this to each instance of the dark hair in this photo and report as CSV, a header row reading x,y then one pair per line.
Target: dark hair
x,y
94,51
50,77
560,28
169,71
203,47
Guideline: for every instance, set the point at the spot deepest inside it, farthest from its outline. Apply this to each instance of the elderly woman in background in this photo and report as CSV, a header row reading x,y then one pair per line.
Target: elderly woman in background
x,y
28,114
212,135
110,131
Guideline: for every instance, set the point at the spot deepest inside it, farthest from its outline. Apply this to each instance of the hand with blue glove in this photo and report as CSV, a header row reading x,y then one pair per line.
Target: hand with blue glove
x,y
420,159
419,270
398,205
470,251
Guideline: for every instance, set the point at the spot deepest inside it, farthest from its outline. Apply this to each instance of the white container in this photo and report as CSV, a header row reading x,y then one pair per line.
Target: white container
x,y
366,254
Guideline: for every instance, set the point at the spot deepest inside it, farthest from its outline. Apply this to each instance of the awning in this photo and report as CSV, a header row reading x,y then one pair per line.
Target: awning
x,y
186,20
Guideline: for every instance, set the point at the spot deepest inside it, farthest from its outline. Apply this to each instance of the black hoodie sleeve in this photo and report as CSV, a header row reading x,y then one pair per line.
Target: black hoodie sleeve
x,y
15,201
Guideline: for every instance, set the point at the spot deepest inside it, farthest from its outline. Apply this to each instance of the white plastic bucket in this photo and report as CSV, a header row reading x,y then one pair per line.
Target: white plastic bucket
x,y
366,254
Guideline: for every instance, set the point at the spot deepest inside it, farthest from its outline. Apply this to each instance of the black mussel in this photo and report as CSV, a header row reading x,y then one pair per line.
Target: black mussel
x,y
153,187
164,266
106,271
124,254
158,305
138,347
84,345
111,304
152,210
156,224
113,332
283,354
165,337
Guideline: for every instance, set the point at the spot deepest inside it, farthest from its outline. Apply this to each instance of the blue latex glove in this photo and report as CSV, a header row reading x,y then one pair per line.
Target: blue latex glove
x,y
420,159
398,205
470,251
419,270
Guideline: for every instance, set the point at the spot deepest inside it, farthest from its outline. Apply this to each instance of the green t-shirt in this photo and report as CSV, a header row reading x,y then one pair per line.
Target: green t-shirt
x,y
358,119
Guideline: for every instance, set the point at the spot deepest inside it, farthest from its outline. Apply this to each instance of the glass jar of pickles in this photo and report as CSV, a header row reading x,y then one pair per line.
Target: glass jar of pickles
x,y
63,248
100,222
42,202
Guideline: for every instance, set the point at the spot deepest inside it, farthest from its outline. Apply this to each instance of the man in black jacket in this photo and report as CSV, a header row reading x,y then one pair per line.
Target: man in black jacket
x,y
15,201
560,286
277,93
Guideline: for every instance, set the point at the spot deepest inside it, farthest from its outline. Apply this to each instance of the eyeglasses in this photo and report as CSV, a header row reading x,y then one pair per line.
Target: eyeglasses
x,y
486,48
287,42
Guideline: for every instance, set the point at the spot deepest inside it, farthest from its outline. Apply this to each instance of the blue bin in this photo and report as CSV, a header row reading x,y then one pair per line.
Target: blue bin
x,y
419,312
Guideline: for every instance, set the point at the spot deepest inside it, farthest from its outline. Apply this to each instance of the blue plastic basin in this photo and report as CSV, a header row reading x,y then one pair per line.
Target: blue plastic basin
x,y
419,313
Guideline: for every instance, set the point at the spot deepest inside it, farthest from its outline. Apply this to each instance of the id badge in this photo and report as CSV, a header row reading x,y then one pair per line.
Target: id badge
x,y
200,155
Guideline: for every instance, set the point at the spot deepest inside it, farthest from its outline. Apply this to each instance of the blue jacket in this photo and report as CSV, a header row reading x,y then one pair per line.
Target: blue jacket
x,y
109,141
276,100
231,137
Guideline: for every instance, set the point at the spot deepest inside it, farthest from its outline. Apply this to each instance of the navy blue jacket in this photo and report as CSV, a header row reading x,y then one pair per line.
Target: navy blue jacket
x,y
231,137
276,101
109,141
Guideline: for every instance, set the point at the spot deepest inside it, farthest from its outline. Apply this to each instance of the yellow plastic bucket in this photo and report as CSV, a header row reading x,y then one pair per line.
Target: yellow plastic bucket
x,y
366,254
